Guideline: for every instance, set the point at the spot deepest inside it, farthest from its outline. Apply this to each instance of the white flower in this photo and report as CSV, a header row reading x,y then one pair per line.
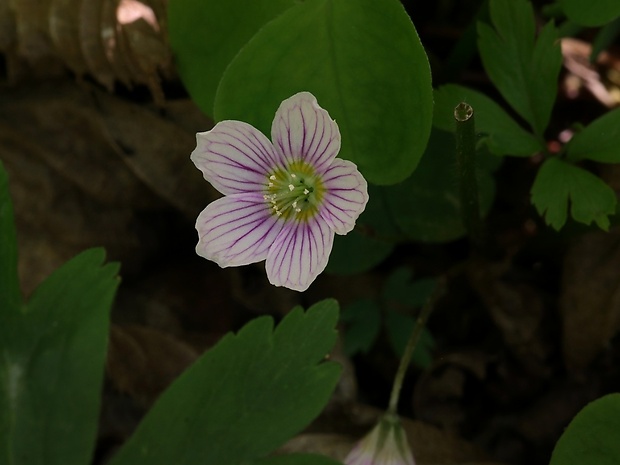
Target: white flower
x,y
283,201
386,444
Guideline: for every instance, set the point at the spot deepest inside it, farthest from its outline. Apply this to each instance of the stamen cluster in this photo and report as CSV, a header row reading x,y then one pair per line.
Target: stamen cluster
x,y
295,190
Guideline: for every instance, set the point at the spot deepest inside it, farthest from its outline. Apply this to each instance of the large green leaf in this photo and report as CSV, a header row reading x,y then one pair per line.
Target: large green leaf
x,y
205,35
363,61
426,206
523,69
558,183
592,436
501,133
599,141
591,12
51,366
245,396
10,297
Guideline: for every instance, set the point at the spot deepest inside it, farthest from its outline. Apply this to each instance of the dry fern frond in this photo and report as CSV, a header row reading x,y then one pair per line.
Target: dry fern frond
x,y
110,40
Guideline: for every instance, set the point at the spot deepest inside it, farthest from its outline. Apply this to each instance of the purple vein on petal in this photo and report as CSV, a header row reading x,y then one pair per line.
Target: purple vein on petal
x,y
236,230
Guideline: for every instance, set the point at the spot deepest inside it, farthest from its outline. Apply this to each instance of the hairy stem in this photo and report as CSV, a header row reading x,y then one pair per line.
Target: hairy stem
x,y
466,168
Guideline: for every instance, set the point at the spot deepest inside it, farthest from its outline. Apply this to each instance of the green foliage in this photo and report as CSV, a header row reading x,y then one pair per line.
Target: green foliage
x,y
523,69
558,183
52,365
501,134
52,351
399,328
400,295
205,35
393,311
592,12
604,38
384,110
363,321
10,298
599,141
592,436
244,397
426,205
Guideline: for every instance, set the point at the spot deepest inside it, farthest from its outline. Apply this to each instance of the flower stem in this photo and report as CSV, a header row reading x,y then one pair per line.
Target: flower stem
x,y
466,167
426,311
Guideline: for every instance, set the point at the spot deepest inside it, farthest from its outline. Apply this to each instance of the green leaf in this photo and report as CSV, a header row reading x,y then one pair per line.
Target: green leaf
x,y
399,327
10,296
363,321
558,182
501,133
523,69
426,205
297,459
599,141
604,38
592,436
51,366
205,35
363,61
592,12
245,396
399,291
371,242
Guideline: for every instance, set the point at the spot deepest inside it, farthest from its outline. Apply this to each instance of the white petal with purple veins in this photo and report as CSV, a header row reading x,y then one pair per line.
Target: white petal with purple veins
x,y
302,130
235,157
299,254
346,195
236,230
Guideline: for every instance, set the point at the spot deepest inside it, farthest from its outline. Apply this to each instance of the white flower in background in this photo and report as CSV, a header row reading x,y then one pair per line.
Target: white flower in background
x,y
283,201
386,444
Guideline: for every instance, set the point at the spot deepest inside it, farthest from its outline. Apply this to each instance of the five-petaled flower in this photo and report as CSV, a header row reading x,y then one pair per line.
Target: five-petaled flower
x,y
283,201
386,444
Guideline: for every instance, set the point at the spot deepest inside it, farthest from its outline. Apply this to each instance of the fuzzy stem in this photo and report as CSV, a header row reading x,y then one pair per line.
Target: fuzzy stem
x,y
426,311
466,167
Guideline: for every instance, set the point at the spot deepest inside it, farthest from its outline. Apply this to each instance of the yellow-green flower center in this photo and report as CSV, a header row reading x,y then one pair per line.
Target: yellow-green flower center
x,y
294,192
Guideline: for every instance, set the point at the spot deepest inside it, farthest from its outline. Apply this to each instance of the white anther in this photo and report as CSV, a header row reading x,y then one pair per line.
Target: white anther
x,y
298,210
278,212
291,187
293,175
306,191
270,184
272,177
295,204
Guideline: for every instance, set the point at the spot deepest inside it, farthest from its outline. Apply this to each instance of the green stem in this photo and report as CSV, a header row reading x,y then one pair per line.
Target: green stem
x,y
466,167
426,311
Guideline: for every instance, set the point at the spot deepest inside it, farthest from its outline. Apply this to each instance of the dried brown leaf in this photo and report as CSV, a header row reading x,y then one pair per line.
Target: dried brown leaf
x,y
58,220
143,361
8,31
111,43
61,121
157,151
518,311
64,17
590,297
92,39
34,42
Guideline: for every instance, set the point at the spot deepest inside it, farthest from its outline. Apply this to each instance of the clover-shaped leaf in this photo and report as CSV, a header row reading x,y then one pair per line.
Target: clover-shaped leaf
x,y
524,69
559,183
